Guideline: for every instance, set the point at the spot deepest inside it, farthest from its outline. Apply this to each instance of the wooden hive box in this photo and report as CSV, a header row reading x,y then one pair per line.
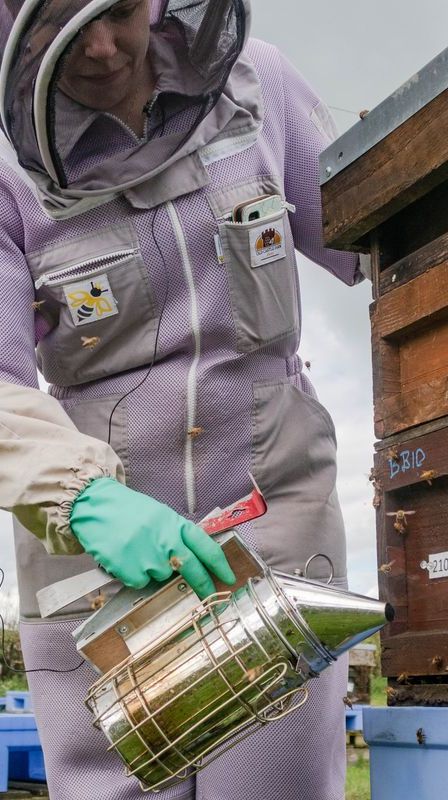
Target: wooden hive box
x,y
385,192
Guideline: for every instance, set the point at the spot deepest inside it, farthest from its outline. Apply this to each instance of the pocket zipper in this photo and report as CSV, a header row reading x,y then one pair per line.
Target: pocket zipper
x,y
85,268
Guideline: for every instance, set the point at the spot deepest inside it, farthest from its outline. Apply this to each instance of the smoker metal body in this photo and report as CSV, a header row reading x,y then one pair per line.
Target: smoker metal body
x,y
198,678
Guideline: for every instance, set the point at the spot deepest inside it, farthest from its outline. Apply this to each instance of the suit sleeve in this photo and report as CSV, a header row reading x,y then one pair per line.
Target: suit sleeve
x,y
44,460
309,129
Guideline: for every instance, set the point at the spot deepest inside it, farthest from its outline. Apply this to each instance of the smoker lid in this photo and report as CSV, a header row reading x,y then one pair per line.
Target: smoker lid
x,y
400,106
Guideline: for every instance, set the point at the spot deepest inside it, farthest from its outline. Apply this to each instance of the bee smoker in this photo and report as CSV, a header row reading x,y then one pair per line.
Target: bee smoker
x,y
181,680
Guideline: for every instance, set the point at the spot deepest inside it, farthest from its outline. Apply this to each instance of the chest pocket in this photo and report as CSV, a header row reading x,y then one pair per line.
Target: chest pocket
x,y
95,292
261,266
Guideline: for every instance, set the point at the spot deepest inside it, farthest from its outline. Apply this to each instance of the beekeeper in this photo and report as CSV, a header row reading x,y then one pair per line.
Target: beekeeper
x,y
163,297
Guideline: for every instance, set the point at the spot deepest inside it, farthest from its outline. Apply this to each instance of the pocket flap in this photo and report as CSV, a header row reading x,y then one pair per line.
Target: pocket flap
x,y
110,239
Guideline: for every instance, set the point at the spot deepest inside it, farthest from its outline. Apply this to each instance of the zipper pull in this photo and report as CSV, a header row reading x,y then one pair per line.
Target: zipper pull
x,y
289,207
219,250
42,281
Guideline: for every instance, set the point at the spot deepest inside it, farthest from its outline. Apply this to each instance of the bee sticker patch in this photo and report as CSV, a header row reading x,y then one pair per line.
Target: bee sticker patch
x,y
267,243
90,300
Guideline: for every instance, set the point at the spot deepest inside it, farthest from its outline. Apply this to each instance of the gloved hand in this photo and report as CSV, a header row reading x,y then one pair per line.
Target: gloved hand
x,y
135,538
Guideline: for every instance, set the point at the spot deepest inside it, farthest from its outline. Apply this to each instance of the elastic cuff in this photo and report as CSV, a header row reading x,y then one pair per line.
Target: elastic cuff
x,y
60,538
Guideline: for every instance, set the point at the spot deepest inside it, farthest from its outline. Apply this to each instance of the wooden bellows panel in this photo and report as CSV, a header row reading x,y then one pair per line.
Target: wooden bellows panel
x,y
108,646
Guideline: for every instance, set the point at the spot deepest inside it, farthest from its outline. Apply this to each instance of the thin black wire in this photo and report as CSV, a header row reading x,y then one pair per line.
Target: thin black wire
x,y
40,669
156,341
2,574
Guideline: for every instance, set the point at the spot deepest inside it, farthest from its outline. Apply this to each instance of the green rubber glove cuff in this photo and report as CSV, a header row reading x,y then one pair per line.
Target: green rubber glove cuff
x,y
136,538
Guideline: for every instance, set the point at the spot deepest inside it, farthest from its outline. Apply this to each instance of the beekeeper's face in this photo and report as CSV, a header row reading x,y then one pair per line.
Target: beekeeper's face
x,y
108,58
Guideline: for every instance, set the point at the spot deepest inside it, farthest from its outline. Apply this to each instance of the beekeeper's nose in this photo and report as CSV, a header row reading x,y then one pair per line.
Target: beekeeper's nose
x,y
99,41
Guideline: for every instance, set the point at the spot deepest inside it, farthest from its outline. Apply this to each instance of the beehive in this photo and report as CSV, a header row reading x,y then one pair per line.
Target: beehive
x,y
385,192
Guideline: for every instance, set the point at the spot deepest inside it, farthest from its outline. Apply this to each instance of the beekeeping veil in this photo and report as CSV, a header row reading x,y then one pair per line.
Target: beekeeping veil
x,y
73,79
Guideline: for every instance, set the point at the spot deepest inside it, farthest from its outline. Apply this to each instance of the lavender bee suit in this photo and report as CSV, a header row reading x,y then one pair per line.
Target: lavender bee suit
x,y
131,131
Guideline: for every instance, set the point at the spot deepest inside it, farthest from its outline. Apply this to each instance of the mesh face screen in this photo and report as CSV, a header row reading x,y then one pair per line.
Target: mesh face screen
x,y
96,106
90,81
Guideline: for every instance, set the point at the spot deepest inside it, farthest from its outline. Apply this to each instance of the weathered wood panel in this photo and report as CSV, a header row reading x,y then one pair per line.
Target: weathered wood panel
x,y
410,353
414,654
405,166
359,657
413,241
411,476
414,694
413,265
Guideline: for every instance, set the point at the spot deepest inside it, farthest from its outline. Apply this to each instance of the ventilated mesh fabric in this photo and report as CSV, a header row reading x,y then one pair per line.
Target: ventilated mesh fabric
x,y
92,109
77,764
224,379
299,758
6,20
156,423
9,10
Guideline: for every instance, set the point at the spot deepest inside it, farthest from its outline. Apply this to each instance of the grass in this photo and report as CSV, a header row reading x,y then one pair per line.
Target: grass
x,y
13,683
378,688
358,780
358,773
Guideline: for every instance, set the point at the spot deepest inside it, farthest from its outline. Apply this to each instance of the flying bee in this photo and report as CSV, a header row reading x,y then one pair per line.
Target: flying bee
x,y
428,476
392,695
97,601
386,569
392,454
37,305
372,476
421,736
401,522
90,302
90,341
195,432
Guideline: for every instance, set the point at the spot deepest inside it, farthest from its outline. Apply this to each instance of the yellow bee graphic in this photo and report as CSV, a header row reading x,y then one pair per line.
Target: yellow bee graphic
x,y
90,302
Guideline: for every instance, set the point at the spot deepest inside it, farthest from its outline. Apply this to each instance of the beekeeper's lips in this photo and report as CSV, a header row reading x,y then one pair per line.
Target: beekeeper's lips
x,y
105,78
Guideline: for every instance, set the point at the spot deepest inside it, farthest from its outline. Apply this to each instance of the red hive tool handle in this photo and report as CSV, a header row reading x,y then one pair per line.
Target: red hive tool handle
x,y
250,507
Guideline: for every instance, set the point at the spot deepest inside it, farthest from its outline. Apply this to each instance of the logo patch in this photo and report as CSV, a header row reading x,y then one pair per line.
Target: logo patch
x,y
90,300
267,243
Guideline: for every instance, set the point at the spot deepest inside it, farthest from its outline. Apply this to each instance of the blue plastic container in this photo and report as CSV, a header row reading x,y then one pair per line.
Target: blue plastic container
x,y
19,702
408,752
354,718
21,755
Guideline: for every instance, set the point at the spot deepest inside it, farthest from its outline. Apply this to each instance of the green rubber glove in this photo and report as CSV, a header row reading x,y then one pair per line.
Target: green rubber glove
x,y
135,538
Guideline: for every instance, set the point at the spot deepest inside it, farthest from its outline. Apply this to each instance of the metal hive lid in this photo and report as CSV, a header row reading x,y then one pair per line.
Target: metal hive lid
x,y
407,100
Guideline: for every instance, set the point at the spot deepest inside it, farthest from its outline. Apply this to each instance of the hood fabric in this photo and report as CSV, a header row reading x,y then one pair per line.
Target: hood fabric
x,y
78,156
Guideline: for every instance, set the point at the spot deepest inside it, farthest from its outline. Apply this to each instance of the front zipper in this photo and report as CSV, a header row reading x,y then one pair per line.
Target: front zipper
x,y
85,268
192,373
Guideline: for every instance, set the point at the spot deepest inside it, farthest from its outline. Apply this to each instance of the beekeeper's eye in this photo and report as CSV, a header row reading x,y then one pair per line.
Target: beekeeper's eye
x,y
124,10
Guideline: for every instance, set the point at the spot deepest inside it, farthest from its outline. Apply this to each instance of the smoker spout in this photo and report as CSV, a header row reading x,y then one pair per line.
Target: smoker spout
x,y
337,618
